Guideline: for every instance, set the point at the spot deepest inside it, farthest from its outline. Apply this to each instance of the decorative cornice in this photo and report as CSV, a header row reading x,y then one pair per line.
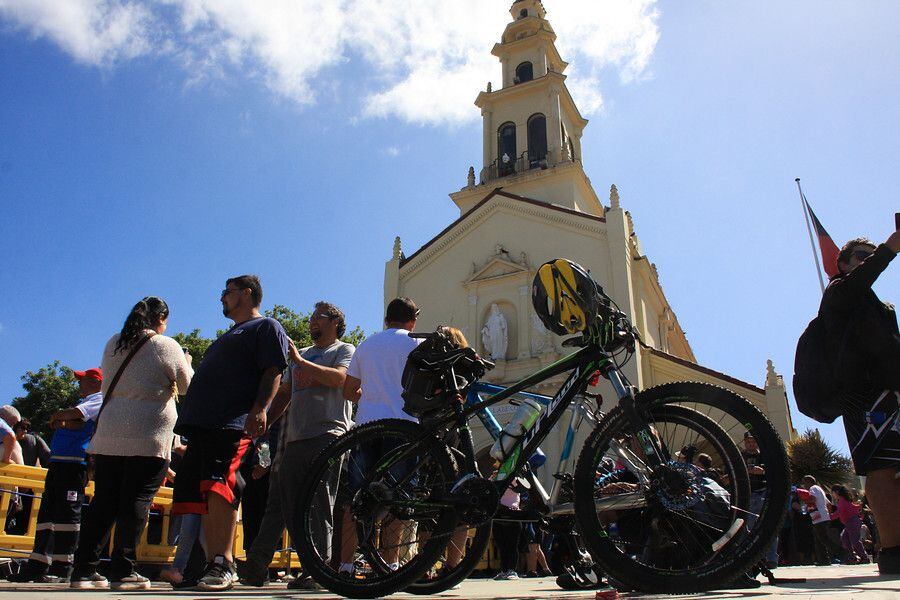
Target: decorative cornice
x,y
493,202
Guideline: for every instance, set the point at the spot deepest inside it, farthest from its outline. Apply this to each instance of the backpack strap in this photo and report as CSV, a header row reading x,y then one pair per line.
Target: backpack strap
x,y
845,341
118,375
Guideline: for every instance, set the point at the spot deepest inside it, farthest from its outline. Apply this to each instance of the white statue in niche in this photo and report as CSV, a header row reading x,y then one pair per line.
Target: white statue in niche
x,y
494,334
539,335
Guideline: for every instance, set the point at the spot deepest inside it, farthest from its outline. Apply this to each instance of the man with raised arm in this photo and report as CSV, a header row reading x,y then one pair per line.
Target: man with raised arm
x,y
224,409
863,336
317,414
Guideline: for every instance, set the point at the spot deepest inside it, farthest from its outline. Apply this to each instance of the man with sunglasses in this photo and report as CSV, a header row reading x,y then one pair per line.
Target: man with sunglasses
x,y
317,413
862,332
225,407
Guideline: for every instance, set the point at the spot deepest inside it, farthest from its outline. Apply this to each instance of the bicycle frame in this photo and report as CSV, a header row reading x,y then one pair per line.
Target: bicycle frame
x,y
583,364
580,412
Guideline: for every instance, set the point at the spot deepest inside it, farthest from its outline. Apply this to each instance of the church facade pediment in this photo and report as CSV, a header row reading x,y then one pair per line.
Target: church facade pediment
x,y
496,268
496,202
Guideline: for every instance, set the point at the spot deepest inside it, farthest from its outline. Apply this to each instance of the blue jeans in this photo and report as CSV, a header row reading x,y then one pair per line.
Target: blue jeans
x,y
757,501
187,535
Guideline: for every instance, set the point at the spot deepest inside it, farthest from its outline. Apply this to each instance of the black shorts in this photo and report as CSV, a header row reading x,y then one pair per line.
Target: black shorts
x,y
870,419
210,464
364,460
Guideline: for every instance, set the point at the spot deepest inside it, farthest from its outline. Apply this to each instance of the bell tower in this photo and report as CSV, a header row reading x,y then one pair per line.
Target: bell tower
x,y
531,127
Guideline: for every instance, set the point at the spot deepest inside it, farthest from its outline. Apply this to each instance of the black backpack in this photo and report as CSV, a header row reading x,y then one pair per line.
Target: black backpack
x,y
817,388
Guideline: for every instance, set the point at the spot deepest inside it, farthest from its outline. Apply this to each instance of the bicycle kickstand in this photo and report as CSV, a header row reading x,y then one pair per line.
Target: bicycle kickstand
x,y
777,580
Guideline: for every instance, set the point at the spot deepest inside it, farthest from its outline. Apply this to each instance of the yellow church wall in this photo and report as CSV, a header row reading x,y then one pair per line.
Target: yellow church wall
x,y
506,229
454,298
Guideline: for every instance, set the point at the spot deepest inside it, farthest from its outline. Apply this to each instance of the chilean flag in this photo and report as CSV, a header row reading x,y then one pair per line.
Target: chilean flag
x,y
826,245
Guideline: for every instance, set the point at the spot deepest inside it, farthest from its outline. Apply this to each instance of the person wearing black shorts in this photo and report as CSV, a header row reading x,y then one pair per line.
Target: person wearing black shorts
x,y
865,330
225,408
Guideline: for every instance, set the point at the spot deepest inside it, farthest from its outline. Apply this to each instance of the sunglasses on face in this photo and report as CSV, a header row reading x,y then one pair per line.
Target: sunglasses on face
x,y
861,254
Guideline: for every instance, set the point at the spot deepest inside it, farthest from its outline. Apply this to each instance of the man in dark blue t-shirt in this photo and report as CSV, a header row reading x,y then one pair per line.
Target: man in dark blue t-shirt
x,y
224,409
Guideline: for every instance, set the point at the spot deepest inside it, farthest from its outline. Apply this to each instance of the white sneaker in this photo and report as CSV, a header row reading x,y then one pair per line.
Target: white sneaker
x,y
130,583
506,576
218,577
95,581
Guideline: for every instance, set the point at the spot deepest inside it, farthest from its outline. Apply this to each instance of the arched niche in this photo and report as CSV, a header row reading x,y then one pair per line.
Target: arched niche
x,y
510,316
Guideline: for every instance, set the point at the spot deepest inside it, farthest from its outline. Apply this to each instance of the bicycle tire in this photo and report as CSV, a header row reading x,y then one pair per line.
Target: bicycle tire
x,y
448,577
747,544
440,459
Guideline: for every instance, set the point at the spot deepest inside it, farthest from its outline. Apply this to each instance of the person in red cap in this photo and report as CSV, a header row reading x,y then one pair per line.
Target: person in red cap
x,y
59,517
92,375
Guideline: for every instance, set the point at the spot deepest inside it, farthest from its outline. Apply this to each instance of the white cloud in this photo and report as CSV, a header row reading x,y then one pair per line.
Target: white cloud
x,y
425,61
94,32
392,151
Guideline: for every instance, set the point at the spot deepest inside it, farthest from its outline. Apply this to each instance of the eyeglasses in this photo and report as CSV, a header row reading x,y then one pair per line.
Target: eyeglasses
x,y
227,291
861,254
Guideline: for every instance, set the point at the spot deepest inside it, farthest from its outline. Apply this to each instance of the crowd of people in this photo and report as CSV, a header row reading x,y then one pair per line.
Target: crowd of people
x,y
257,410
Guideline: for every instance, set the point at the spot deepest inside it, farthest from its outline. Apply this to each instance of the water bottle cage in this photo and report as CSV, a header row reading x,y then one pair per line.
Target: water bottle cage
x,y
503,444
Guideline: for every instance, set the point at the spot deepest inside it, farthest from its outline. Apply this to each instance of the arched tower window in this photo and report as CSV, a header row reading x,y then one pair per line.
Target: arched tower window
x,y
537,139
523,13
524,72
506,148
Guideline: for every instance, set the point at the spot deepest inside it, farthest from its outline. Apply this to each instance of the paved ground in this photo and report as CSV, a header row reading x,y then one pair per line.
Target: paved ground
x,y
838,582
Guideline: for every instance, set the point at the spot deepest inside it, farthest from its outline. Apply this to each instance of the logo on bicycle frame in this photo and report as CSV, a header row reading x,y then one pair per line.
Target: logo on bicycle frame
x,y
551,406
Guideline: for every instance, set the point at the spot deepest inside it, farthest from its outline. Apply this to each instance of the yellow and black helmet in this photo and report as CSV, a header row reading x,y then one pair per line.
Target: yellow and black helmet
x,y
564,296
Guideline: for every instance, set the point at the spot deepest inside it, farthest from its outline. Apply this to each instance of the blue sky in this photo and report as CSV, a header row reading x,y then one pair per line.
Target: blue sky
x,y
159,148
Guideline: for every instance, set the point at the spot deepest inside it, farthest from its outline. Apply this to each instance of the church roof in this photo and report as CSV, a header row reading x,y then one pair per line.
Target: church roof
x,y
485,200
707,371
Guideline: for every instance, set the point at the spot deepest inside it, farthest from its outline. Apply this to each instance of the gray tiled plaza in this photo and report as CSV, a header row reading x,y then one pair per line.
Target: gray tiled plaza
x,y
837,582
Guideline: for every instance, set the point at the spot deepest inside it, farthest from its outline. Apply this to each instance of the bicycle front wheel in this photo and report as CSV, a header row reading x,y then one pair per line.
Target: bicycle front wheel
x,y
698,518
383,486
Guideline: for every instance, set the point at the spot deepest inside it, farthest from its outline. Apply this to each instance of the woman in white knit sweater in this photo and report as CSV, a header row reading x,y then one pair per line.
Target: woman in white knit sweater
x,y
132,443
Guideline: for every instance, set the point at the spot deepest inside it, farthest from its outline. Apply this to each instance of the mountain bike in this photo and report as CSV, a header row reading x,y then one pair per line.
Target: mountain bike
x,y
652,519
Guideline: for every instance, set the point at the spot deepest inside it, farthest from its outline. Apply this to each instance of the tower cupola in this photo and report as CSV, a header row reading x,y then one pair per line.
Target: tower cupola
x,y
531,121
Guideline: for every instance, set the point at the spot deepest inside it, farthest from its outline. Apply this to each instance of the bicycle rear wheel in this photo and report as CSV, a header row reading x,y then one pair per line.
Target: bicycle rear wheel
x,y
395,478
469,544
670,528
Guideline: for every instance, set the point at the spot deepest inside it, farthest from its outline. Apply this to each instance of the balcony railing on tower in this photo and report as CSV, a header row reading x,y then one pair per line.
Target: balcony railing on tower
x,y
505,165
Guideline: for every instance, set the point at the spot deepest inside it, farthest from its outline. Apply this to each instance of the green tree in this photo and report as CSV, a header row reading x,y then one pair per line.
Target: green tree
x,y
195,343
354,337
47,390
810,454
296,325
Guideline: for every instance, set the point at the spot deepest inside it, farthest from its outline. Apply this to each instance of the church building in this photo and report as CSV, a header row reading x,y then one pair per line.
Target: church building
x,y
531,202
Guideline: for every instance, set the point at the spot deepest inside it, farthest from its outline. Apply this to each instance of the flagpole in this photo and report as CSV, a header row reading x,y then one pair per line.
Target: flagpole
x,y
812,243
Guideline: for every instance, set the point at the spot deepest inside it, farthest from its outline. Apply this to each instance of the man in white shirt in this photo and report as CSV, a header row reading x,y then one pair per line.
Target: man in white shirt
x,y
375,372
821,520
374,382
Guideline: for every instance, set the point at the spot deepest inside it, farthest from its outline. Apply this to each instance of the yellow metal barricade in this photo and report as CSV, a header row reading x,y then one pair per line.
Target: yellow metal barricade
x,y
22,478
